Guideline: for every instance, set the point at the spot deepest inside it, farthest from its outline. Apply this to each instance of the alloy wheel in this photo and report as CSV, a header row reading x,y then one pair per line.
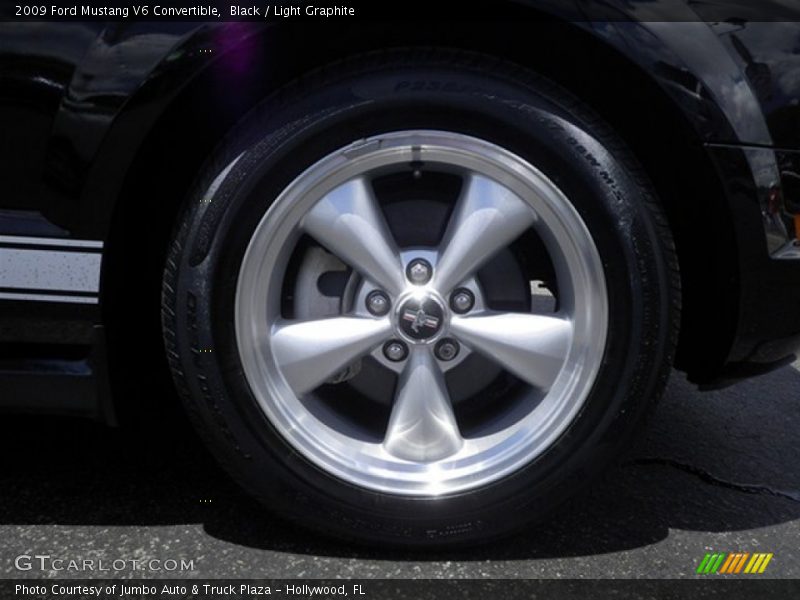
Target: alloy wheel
x,y
418,314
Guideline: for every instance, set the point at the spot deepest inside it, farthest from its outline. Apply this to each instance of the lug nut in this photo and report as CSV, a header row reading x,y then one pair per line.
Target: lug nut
x,y
378,303
462,301
419,271
446,349
395,350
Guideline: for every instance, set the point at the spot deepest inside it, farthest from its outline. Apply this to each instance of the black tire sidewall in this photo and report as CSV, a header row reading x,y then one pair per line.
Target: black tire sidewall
x,y
531,119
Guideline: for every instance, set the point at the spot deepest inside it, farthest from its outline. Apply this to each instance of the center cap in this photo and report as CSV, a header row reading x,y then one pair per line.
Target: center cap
x,y
420,318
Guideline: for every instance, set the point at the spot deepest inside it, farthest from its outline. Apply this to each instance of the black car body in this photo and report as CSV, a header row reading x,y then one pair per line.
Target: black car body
x,y
103,126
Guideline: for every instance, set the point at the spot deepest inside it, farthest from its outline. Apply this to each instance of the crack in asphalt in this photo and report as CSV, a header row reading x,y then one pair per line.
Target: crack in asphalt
x,y
706,477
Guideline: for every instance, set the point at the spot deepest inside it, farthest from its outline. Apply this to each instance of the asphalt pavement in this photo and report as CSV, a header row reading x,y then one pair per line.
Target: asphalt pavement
x,y
714,472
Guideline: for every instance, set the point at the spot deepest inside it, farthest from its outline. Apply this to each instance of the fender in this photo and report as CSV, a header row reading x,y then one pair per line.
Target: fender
x,y
127,75
96,132
694,66
127,78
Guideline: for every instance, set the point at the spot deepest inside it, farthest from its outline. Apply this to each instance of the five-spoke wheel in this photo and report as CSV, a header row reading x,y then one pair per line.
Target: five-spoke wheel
x,y
417,310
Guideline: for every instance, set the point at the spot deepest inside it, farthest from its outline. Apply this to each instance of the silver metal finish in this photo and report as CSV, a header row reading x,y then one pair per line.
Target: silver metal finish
x,y
422,427
55,242
50,269
462,301
395,351
446,349
422,451
419,272
488,218
533,347
790,251
378,303
347,222
310,352
25,297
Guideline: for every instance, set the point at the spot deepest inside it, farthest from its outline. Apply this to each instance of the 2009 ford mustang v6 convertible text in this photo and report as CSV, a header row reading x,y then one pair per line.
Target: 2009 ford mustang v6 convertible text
x,y
415,283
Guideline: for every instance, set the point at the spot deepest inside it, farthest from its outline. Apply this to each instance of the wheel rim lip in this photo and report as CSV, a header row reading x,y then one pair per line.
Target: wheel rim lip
x,y
481,460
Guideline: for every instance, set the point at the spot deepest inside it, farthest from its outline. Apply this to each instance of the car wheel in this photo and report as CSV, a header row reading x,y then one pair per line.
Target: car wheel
x,y
420,298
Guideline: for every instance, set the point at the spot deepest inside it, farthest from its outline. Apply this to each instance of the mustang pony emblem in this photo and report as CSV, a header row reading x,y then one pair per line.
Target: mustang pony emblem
x,y
420,319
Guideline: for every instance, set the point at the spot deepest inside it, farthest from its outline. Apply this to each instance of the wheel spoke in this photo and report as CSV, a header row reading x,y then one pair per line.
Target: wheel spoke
x,y
488,217
349,223
422,426
310,352
532,347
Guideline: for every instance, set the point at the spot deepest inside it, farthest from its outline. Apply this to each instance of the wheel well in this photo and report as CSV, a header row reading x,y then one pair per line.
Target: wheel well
x,y
626,97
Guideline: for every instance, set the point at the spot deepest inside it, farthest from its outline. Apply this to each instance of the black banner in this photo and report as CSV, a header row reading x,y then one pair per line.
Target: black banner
x,y
417,10
418,589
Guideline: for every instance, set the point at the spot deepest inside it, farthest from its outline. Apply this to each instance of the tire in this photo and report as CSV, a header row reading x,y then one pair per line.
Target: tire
x,y
602,215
